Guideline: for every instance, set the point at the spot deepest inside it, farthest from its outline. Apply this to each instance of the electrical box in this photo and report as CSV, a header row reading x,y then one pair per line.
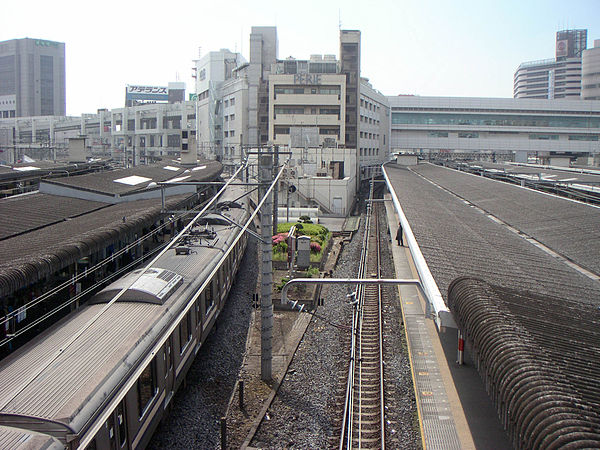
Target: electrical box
x,y
303,259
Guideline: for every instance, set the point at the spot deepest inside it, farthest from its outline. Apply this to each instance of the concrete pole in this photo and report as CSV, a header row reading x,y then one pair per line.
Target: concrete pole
x,y
275,189
266,304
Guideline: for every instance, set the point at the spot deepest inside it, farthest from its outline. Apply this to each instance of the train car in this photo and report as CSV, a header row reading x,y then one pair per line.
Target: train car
x,y
104,376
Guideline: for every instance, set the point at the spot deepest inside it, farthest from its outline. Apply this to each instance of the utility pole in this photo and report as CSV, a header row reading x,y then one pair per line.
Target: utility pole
x,y
265,167
275,190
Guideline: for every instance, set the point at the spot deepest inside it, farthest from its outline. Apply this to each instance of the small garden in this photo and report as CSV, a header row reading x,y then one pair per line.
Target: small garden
x,y
319,238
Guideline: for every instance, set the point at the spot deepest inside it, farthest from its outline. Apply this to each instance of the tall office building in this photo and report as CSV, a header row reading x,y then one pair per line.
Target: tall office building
x,y
590,73
350,66
558,77
32,78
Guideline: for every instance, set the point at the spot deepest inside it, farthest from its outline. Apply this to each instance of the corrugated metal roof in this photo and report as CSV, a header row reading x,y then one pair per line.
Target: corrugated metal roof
x,y
29,257
105,182
458,240
13,439
571,229
21,214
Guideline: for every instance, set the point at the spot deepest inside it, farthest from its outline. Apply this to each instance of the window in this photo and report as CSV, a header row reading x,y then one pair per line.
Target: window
x,y
232,117
232,101
583,138
146,387
226,133
543,137
209,299
226,118
468,134
232,133
226,103
185,331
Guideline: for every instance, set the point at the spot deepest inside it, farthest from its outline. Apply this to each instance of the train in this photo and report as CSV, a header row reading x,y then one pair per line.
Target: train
x,y
105,375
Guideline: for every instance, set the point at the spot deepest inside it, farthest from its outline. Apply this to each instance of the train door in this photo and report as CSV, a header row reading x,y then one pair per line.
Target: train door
x,y
117,428
169,369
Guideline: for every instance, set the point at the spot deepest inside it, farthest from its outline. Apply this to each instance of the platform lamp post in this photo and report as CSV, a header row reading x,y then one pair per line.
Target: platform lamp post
x,y
265,168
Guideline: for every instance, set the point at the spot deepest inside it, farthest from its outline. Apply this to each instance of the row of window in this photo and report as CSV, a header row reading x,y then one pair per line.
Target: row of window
x,y
8,114
230,133
328,90
229,118
364,103
400,118
307,110
532,136
322,130
369,151
366,135
229,102
366,119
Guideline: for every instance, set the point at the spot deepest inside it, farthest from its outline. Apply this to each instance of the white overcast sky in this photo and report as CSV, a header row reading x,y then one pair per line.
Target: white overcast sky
x,y
427,47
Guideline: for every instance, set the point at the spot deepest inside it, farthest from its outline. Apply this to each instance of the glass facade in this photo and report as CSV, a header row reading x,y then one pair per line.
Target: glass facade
x,y
424,118
46,85
7,75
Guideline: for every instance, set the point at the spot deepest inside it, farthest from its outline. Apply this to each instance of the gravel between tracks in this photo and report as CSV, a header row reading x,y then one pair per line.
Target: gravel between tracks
x,y
302,414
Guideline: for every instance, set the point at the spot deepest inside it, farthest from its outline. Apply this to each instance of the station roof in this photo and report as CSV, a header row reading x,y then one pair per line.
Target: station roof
x,y
520,272
44,233
134,179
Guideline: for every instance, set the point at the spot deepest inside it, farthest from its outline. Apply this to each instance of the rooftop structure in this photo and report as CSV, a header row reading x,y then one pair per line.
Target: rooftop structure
x,y
559,77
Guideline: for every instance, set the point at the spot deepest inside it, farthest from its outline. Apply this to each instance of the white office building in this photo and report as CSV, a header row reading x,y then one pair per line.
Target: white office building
x,y
517,127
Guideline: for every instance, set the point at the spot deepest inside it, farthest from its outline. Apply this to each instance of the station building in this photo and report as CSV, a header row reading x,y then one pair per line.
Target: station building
x,y
517,127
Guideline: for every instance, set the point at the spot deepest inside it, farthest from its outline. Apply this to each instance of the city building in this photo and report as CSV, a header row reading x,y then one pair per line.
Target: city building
x,y
514,127
590,73
32,78
559,77
374,129
307,103
220,95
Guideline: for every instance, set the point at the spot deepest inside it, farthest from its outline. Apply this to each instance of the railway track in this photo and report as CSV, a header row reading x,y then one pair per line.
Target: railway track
x,y
363,424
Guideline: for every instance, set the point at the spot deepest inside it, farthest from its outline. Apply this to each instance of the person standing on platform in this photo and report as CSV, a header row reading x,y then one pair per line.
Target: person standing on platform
x,y
399,236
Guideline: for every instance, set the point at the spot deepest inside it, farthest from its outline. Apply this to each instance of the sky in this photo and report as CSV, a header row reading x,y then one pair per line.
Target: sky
x,y
428,47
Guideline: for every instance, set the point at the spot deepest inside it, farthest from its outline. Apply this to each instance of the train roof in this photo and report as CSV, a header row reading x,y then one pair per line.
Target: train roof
x,y
57,389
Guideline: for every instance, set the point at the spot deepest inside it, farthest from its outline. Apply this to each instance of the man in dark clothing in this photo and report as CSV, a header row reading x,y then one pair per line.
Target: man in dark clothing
x,y
399,235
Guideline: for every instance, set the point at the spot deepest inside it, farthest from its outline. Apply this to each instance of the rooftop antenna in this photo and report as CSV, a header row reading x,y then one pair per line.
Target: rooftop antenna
x,y
199,52
339,20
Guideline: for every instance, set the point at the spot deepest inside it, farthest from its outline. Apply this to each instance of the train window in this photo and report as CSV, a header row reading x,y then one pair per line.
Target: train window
x,y
146,387
209,298
198,311
185,331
